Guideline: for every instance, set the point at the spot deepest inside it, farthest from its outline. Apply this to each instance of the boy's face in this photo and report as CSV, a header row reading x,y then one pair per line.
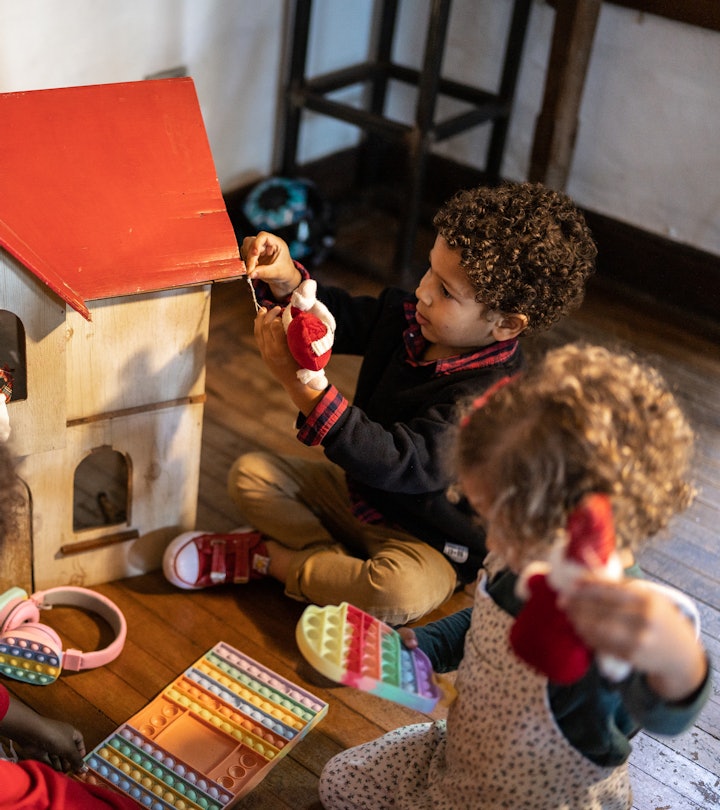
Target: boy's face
x,y
449,316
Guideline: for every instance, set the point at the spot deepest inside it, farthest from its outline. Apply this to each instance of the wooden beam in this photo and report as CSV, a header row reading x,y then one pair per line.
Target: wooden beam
x,y
573,33
703,13
557,123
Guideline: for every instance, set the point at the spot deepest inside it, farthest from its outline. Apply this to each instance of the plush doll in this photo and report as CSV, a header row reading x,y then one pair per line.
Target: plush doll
x,y
310,330
542,635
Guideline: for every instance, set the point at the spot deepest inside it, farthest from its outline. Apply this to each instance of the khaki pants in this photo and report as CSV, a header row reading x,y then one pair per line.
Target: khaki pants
x,y
304,505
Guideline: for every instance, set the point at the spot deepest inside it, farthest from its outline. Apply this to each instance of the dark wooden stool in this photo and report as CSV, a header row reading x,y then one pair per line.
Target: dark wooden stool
x,y
415,140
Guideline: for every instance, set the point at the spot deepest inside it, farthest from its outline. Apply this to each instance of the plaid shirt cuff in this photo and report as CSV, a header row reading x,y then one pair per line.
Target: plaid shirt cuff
x,y
323,416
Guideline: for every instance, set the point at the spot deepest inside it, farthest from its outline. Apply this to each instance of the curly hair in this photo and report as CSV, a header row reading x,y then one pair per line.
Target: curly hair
x,y
584,419
526,249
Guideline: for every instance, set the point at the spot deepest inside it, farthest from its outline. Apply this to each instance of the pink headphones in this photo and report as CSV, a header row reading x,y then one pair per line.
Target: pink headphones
x,y
32,652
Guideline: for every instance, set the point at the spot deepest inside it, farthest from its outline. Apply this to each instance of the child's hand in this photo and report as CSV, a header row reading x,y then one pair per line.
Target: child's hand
x,y
57,744
634,622
53,742
409,639
268,259
272,343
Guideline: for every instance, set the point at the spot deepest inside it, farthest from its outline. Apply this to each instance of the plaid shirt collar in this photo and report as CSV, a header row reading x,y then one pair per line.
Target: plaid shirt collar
x,y
415,344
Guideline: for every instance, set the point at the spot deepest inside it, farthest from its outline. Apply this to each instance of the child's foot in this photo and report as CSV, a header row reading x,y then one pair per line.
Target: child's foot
x,y
195,560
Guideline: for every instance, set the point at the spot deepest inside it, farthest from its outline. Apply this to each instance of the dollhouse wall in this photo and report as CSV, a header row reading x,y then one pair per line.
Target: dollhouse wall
x,y
137,351
130,380
161,448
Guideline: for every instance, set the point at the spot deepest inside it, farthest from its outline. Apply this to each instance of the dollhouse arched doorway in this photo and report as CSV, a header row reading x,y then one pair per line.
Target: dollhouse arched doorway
x,y
101,490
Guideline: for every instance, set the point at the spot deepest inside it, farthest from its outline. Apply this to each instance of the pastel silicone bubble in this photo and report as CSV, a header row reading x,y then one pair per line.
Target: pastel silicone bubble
x,y
281,686
264,712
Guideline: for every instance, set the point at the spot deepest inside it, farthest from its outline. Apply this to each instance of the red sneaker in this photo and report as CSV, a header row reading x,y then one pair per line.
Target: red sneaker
x,y
196,560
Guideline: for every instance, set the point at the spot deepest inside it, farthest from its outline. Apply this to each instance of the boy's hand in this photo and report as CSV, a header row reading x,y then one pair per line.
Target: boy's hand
x,y
267,258
634,622
272,343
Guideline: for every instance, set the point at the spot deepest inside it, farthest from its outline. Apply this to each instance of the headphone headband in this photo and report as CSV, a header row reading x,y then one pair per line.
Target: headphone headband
x,y
94,602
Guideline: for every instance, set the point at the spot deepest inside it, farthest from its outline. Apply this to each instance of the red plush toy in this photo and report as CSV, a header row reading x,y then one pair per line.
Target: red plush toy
x,y
542,636
310,330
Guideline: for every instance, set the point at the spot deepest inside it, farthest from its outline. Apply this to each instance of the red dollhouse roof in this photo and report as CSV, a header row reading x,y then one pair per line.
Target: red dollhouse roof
x,y
110,190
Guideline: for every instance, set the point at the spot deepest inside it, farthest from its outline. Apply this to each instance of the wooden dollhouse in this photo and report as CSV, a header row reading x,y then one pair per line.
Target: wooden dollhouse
x,y
112,229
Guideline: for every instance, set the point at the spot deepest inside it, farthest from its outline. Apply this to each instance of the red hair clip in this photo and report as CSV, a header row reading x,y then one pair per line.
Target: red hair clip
x,y
482,400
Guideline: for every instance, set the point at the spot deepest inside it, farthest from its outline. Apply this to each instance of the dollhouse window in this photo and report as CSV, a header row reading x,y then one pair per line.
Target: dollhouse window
x,y
12,352
101,494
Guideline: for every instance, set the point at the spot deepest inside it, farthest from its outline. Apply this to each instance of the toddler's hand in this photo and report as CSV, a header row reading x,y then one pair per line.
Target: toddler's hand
x,y
409,639
636,623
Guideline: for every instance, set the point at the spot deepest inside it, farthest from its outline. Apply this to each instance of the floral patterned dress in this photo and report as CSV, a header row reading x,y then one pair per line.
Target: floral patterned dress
x,y
499,748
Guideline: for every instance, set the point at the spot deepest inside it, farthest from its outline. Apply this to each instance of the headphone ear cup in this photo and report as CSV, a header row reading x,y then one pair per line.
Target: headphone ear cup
x,y
17,612
31,653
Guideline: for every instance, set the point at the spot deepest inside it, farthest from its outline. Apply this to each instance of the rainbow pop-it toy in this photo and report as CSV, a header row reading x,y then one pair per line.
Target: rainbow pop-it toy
x,y
354,648
208,738
30,662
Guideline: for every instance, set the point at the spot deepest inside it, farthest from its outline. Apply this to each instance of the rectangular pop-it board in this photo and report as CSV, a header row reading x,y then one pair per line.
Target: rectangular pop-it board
x,y
209,737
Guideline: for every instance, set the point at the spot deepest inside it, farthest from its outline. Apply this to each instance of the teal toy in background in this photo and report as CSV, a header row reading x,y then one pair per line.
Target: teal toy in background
x,y
296,211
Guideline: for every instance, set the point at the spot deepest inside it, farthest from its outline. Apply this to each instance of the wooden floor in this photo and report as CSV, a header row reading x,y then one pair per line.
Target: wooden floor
x,y
169,629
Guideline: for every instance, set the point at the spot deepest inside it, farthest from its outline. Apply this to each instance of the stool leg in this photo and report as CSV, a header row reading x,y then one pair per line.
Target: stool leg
x,y
557,123
371,152
508,80
300,27
419,141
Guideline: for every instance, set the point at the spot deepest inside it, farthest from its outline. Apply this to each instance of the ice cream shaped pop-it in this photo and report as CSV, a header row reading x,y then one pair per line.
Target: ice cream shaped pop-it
x,y
351,647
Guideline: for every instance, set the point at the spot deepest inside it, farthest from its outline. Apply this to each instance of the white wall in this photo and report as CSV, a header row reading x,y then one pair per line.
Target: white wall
x,y
231,48
647,150
648,144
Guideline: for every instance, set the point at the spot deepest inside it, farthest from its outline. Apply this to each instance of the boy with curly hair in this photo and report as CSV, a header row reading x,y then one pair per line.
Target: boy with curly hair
x,y
583,423
372,524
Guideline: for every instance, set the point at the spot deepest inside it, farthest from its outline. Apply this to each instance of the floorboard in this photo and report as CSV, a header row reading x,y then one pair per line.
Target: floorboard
x,y
169,629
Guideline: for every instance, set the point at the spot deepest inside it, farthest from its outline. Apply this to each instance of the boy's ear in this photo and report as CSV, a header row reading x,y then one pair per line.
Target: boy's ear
x,y
509,325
